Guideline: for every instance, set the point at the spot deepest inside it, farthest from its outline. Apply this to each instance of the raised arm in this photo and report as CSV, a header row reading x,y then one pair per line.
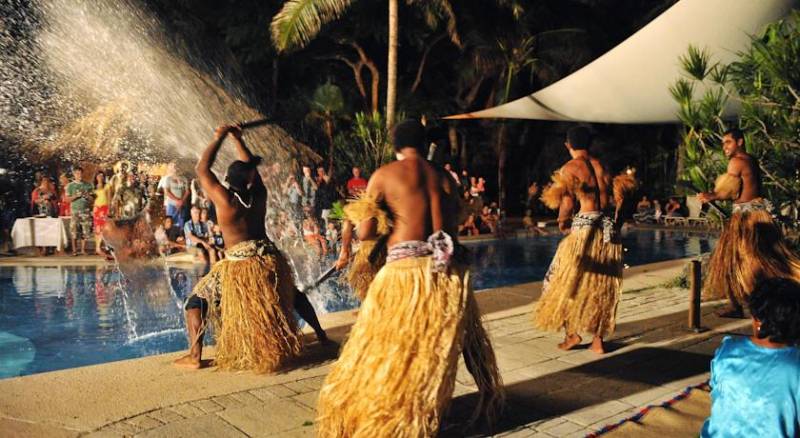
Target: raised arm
x,y
243,153
208,181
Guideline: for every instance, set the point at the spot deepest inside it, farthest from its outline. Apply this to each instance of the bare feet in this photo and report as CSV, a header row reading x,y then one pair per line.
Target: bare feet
x,y
570,341
188,362
597,345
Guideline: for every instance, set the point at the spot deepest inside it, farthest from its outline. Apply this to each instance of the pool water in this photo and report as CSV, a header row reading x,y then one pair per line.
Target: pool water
x,y
54,318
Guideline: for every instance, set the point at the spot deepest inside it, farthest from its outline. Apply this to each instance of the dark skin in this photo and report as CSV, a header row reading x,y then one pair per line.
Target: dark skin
x,y
238,224
588,202
421,198
740,165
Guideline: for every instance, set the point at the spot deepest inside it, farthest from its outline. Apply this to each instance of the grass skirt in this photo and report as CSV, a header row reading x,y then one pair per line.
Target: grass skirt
x,y
751,247
362,271
582,286
254,325
396,373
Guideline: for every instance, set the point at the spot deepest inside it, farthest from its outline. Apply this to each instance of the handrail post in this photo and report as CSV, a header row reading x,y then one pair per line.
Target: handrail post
x,y
695,286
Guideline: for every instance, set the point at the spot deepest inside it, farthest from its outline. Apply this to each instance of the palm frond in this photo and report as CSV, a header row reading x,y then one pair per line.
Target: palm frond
x,y
696,62
436,10
299,21
682,91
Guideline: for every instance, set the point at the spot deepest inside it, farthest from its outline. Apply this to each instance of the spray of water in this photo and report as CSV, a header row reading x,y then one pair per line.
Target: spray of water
x,y
99,78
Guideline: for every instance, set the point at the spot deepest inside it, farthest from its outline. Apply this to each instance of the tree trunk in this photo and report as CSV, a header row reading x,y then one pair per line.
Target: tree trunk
x,y
329,134
452,135
502,151
391,76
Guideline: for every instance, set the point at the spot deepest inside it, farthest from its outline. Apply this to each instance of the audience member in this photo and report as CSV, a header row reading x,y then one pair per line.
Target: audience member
x,y
176,192
312,235
644,206
173,240
63,201
43,198
79,194
216,241
196,234
673,208
309,187
356,184
332,237
326,196
465,180
469,228
128,199
755,379
100,210
454,175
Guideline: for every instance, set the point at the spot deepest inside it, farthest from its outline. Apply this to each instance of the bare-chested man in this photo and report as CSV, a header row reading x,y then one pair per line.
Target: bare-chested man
x,y
395,374
252,290
582,286
750,246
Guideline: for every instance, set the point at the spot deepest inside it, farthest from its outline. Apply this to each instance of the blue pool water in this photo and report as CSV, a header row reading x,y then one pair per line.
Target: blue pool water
x,y
54,318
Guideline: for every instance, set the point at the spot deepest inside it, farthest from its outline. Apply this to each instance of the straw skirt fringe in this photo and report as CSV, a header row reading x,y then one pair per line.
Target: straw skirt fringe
x,y
361,271
583,285
751,247
254,325
396,373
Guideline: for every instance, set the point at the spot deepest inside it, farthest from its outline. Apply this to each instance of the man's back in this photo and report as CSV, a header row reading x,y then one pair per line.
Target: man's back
x,y
593,180
243,219
409,187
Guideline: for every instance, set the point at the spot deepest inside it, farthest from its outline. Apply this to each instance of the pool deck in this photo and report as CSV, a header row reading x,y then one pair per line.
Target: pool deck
x,y
550,392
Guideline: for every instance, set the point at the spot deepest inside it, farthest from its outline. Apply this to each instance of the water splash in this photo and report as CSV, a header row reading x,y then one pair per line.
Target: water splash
x,y
102,79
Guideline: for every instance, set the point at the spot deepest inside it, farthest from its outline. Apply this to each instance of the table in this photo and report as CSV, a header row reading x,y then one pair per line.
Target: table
x,y
41,232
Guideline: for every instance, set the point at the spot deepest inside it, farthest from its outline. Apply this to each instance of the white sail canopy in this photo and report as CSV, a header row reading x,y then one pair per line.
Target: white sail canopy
x,y
630,83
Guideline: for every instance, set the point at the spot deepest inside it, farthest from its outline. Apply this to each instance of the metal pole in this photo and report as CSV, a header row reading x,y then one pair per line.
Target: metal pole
x,y
695,284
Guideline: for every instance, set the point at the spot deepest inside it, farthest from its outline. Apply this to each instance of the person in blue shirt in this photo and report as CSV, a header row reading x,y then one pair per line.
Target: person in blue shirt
x,y
755,380
196,233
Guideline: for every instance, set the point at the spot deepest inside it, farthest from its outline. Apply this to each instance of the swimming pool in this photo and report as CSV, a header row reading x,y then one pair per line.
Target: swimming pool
x,y
53,318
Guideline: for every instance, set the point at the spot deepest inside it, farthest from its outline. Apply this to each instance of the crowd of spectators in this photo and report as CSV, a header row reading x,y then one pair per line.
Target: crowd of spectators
x,y
652,211
183,219
480,215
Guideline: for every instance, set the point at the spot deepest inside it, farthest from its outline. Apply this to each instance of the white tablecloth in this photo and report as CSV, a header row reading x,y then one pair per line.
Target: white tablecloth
x,y
46,231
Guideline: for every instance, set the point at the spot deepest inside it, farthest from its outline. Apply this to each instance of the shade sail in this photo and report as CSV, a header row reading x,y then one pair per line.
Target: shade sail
x,y
630,83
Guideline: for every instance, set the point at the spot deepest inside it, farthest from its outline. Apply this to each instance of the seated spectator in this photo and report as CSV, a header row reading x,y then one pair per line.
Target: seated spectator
x,y
332,236
527,221
216,242
312,235
755,379
657,212
196,233
488,220
674,208
469,227
644,205
170,237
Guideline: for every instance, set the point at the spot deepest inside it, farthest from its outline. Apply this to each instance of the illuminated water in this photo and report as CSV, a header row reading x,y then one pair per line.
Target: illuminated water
x,y
54,318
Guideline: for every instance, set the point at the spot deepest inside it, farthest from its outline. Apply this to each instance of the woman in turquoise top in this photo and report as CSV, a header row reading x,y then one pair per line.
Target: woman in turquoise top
x,y
755,381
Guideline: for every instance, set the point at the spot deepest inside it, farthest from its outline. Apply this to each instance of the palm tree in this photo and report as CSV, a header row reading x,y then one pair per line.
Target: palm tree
x,y
299,22
327,105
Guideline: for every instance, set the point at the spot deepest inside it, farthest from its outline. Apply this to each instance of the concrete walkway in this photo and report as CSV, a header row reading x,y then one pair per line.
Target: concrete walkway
x,y
551,393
